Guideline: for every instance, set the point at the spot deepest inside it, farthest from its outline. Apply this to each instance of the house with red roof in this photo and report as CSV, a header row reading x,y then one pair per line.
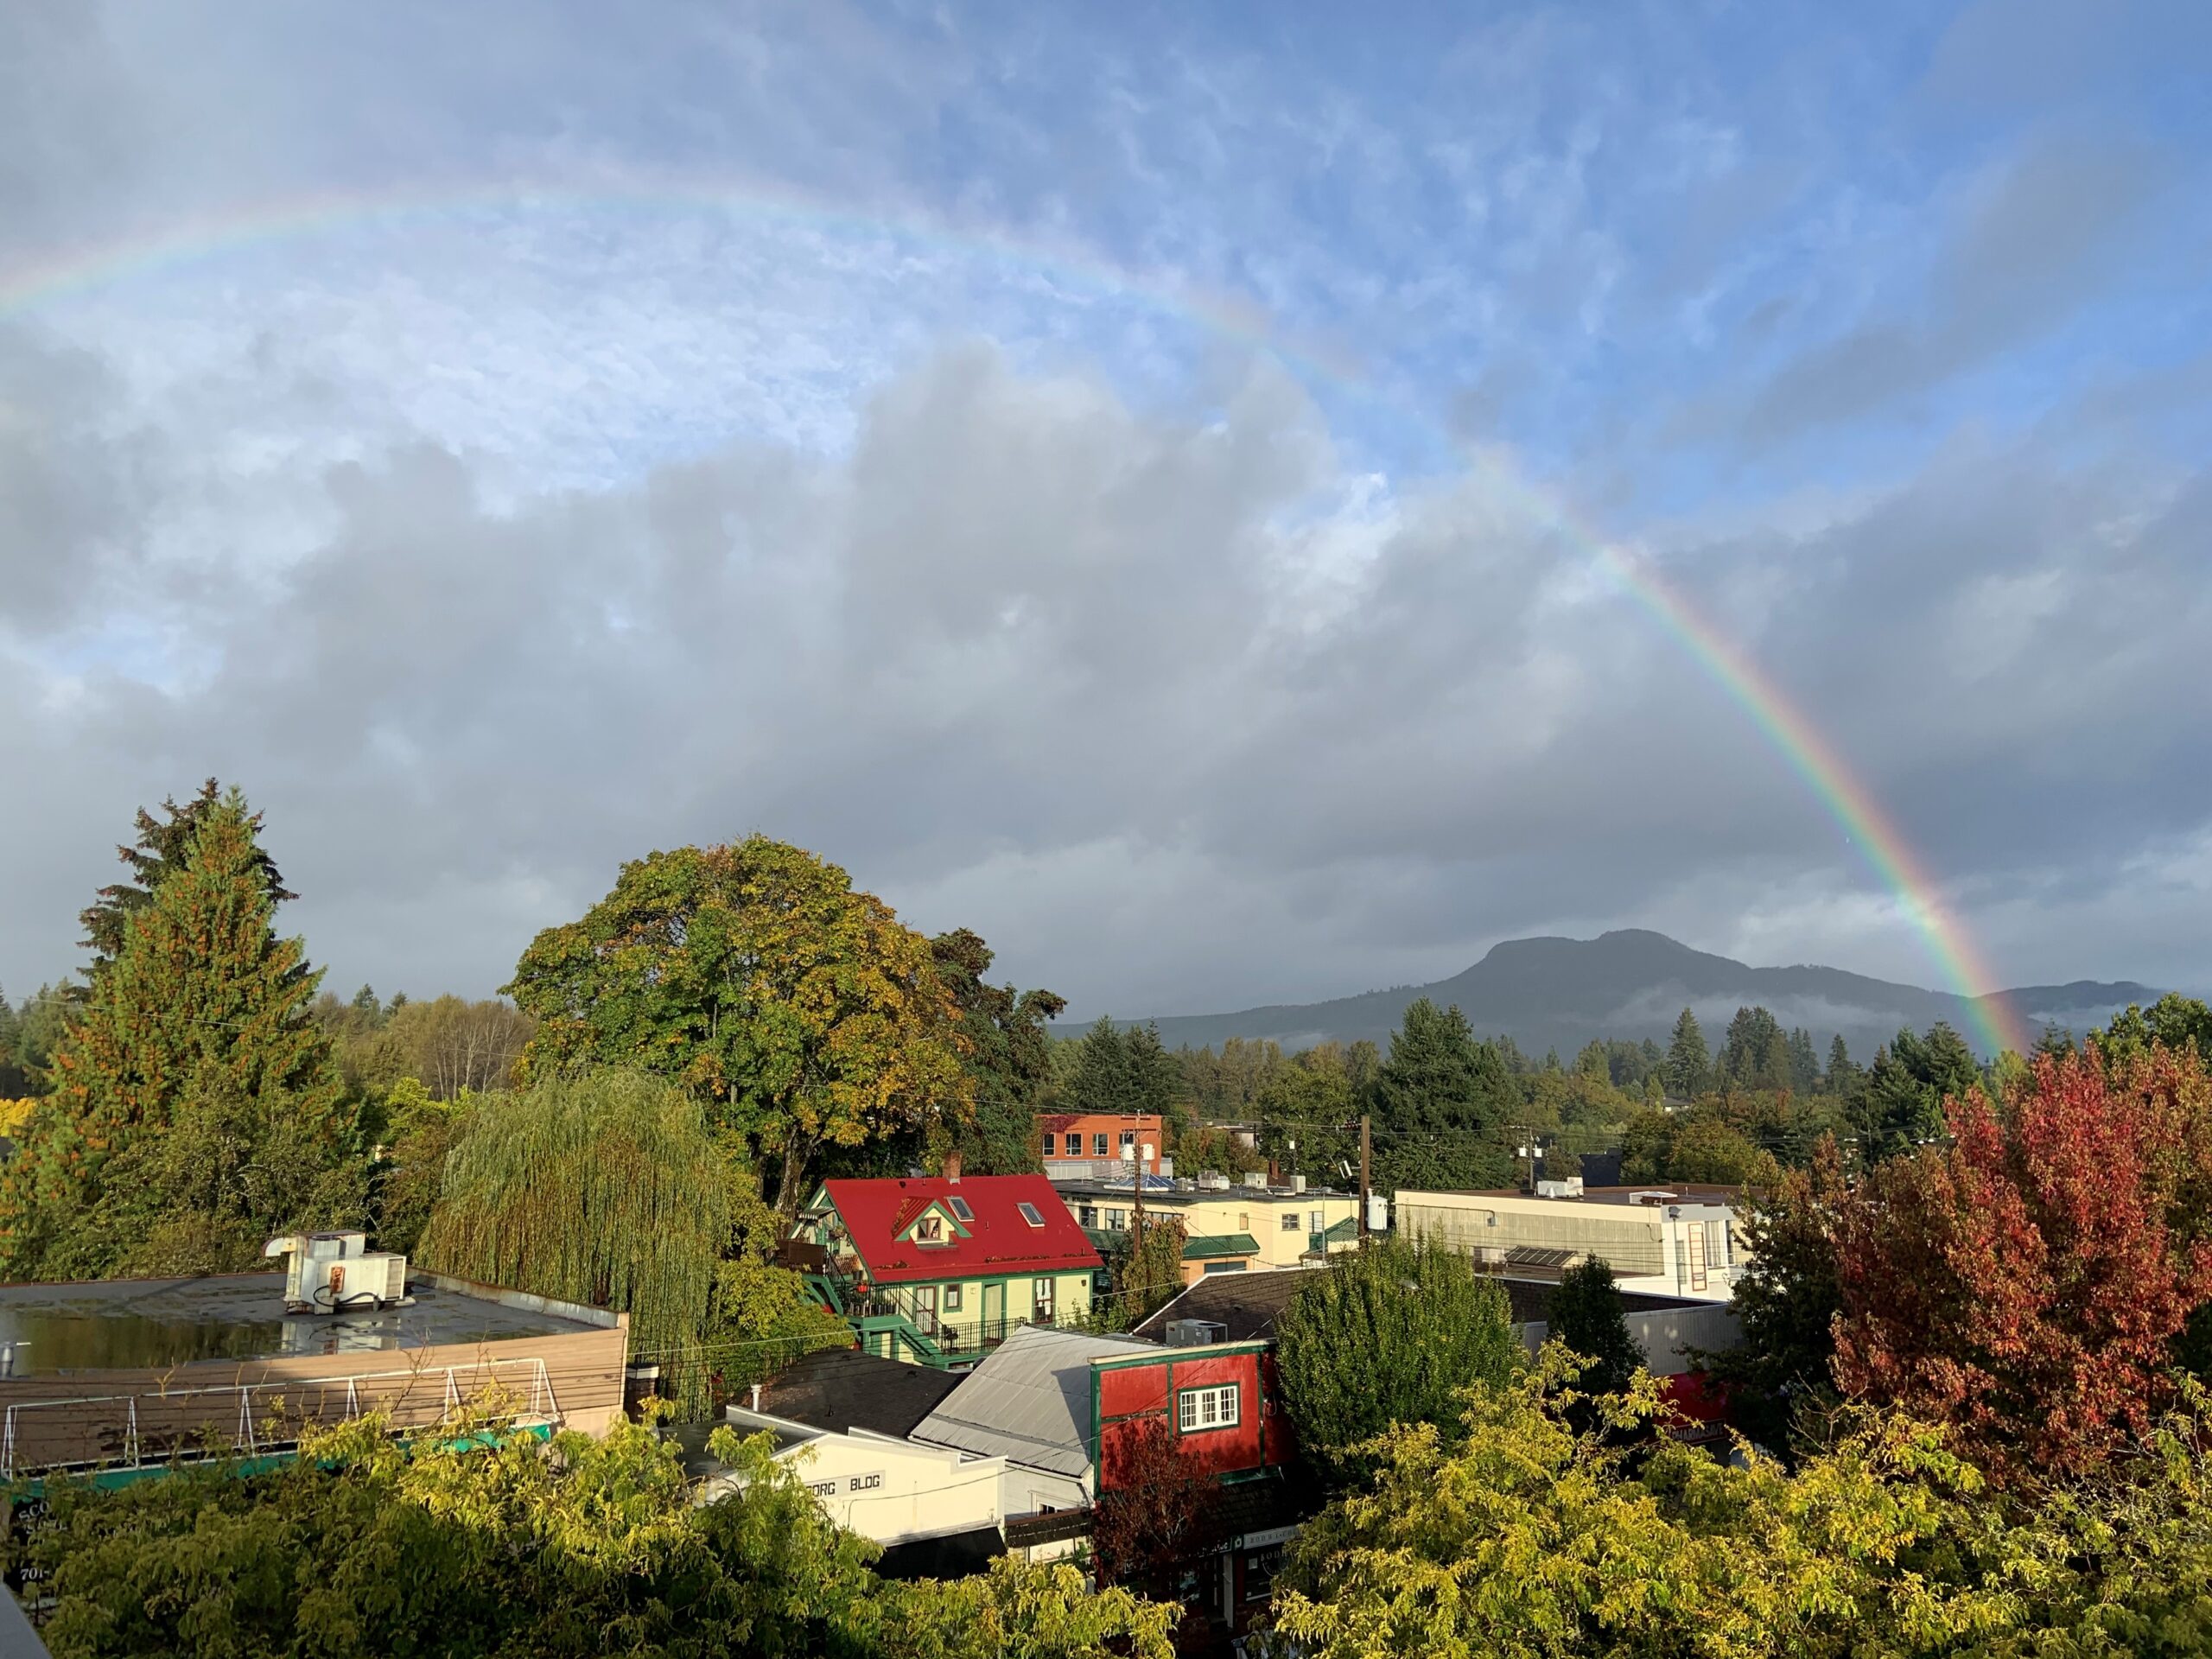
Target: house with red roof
x,y
936,1269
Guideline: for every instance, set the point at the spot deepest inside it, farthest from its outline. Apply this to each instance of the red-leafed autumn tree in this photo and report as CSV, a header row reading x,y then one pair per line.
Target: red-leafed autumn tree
x,y
2026,1283
1157,1511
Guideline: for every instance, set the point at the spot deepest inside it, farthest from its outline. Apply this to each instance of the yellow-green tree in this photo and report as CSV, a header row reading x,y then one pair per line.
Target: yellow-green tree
x,y
1526,1538
473,1541
755,975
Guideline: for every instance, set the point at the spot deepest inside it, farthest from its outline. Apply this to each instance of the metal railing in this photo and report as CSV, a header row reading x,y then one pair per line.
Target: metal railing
x,y
124,1427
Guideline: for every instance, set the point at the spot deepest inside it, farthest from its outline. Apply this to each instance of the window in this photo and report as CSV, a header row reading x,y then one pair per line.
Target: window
x,y
952,1299
1098,1145
925,1308
1261,1566
1199,1410
1031,1214
1117,1220
1041,1301
1290,1221
1320,1222
1129,1140
1049,1139
960,1209
1088,1214
930,1229
1244,1221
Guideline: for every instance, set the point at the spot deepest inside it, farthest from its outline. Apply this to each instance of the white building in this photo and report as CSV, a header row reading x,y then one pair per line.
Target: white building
x,y
1677,1240
841,1420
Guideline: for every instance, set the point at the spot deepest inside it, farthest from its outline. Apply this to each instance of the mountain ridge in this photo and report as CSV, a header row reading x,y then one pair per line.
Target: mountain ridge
x,y
1554,992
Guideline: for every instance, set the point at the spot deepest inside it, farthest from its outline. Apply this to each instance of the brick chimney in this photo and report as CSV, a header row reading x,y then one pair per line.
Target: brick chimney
x,y
952,1164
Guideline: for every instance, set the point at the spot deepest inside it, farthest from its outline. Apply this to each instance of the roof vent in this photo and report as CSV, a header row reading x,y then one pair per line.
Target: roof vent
x,y
1195,1333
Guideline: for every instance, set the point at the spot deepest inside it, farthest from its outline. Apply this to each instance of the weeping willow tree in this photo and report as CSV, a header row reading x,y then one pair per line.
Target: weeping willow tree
x,y
607,1188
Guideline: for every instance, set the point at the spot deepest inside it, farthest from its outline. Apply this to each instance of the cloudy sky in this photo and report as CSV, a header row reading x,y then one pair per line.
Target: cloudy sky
x,y
1128,479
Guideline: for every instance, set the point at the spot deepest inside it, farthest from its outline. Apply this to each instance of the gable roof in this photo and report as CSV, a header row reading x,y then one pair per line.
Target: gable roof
x,y
998,1241
1029,1401
1246,1304
842,1388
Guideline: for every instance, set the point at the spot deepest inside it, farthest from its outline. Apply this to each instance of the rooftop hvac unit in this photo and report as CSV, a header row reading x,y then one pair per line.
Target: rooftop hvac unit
x,y
1569,1188
1297,1183
336,1273
1210,1182
1195,1333
1256,1178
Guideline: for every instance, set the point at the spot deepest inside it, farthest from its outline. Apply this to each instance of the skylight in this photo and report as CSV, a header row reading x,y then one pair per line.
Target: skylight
x,y
960,1209
1029,1214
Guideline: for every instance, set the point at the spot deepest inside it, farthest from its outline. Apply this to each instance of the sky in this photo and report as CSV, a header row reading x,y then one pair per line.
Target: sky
x,y
1136,481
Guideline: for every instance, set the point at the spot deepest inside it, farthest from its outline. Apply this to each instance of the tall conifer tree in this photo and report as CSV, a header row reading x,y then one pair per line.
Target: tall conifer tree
x,y
196,1110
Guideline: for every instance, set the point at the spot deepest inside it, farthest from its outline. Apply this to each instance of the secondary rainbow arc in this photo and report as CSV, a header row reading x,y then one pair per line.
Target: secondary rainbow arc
x,y
1786,727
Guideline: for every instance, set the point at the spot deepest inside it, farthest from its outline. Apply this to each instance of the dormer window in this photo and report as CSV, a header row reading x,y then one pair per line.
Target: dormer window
x,y
930,1229
1030,1214
960,1209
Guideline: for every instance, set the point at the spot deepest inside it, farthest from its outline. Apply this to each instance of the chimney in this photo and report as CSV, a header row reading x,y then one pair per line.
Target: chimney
x,y
952,1164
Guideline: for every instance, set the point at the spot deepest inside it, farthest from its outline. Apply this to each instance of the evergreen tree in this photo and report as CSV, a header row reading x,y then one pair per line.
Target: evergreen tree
x,y
1101,1082
1843,1073
1804,1064
162,848
1440,1082
1756,1054
1009,1055
1587,1314
14,1081
196,1110
1688,1064
1902,1104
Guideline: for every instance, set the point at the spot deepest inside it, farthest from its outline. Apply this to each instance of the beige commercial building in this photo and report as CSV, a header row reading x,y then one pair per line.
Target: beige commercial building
x,y
1666,1241
1282,1225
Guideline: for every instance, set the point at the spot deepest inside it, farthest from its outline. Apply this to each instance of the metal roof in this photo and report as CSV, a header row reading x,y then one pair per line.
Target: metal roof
x,y
1208,1245
1029,1401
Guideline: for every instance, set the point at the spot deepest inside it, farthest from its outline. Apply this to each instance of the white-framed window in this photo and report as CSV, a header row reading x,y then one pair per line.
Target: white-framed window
x,y
1290,1221
1129,1140
1117,1220
1098,1144
1049,1138
952,1299
930,1229
1320,1222
1031,1214
1041,1301
960,1209
1199,1410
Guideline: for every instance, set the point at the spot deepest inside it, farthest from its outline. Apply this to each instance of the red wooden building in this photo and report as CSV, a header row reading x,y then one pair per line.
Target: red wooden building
x,y
1221,1406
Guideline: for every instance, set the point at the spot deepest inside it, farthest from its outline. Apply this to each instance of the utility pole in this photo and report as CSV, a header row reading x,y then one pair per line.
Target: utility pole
x,y
1366,1177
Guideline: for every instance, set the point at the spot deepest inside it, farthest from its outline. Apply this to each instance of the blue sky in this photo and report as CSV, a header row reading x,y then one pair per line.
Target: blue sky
x,y
1132,442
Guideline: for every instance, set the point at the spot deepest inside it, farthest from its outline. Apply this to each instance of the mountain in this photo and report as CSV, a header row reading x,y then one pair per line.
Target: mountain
x,y
1561,992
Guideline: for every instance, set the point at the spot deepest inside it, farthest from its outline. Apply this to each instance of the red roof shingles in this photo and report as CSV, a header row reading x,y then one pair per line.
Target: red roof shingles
x,y
998,1241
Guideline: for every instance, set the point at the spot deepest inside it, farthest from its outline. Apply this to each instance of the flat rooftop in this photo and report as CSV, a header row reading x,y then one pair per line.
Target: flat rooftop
x,y
99,1324
1674,1192
1165,1189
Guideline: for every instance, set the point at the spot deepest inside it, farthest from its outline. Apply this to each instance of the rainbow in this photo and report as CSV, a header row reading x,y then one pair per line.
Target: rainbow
x,y
1785,727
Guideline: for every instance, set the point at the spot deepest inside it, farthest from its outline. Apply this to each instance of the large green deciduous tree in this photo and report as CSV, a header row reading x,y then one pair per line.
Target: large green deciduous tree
x,y
1521,1538
362,1549
1009,1056
758,977
195,1109
1395,1333
610,1188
